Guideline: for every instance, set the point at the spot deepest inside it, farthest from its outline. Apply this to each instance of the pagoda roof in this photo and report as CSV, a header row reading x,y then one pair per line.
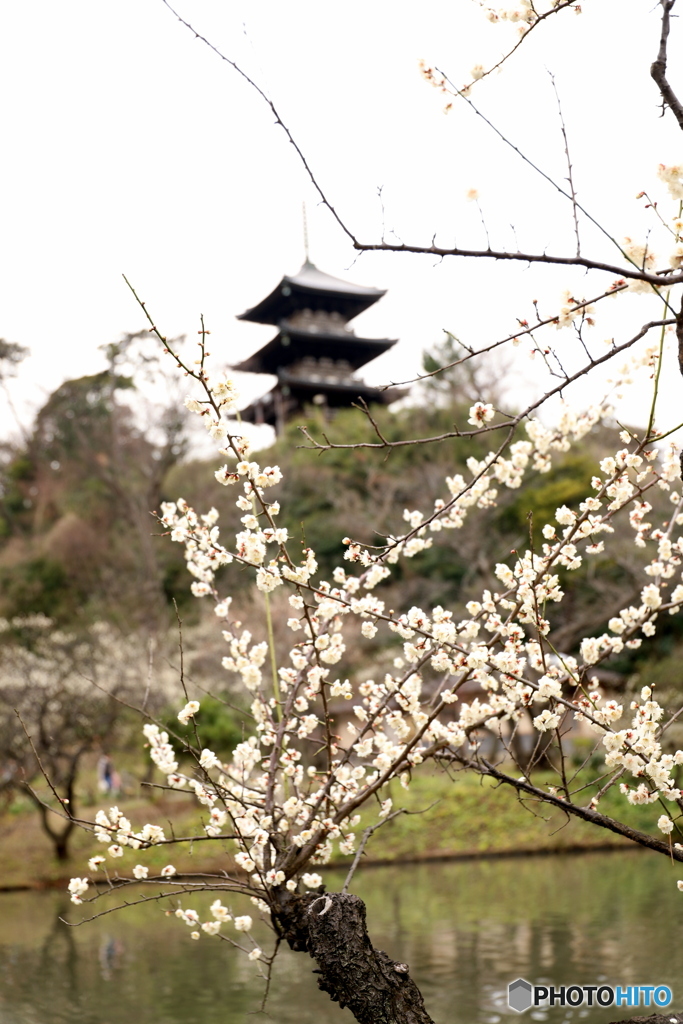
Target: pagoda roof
x,y
324,290
292,344
338,394
301,386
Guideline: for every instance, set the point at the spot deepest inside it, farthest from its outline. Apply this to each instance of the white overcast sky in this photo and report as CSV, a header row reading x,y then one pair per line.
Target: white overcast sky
x,y
129,147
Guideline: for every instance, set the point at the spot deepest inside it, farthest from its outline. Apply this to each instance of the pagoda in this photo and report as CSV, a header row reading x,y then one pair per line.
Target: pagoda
x,y
315,353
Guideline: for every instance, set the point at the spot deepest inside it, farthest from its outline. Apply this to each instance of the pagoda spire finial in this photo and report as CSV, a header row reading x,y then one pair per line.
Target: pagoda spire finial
x,y
305,220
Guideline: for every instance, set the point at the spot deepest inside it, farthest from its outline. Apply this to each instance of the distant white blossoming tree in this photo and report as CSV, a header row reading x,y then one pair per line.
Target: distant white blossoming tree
x,y
62,698
292,790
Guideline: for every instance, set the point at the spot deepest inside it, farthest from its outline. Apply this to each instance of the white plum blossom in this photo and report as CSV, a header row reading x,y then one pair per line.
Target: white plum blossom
x,y
286,798
672,176
650,596
190,917
188,712
220,913
481,413
385,808
78,887
209,760
161,750
547,720
151,834
565,516
311,881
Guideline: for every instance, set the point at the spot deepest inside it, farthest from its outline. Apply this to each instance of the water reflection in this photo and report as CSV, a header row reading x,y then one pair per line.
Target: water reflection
x,y
466,929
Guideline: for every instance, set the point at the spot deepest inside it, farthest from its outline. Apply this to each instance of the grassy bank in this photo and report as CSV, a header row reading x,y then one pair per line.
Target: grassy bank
x,y
26,853
473,816
468,817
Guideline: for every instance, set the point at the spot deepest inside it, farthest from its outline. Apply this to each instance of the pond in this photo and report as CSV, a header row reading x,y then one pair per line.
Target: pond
x,y
466,928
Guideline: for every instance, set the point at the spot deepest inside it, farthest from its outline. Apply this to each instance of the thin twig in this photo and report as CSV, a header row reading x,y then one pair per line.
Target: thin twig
x,y
65,813
278,120
434,250
509,424
526,330
540,18
570,177
150,665
364,841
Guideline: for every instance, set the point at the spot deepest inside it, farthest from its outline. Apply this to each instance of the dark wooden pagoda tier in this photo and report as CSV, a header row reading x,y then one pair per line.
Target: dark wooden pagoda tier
x,y
314,290
315,352
294,344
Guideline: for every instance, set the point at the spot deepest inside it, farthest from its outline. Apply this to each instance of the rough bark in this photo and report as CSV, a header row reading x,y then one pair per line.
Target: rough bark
x,y
332,929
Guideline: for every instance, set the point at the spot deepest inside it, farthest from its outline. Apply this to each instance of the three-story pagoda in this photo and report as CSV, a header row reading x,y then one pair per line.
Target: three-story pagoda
x,y
315,353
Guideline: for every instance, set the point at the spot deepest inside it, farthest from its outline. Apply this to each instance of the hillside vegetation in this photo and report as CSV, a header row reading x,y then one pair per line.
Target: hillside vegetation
x,y
79,547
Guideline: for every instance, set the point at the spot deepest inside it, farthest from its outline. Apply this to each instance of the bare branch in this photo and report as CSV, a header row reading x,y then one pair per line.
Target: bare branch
x,y
658,68
540,18
665,277
369,831
278,120
585,813
526,331
58,798
508,424
570,177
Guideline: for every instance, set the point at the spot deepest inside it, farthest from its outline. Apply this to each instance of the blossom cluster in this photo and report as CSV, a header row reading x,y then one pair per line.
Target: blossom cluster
x,y
523,13
288,796
282,811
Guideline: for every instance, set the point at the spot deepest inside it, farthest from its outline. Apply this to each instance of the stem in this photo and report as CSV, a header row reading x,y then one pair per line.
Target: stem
x,y
273,658
657,372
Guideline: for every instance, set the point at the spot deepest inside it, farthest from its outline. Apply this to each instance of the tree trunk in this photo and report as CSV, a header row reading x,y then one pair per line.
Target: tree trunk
x,y
61,843
331,928
60,840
